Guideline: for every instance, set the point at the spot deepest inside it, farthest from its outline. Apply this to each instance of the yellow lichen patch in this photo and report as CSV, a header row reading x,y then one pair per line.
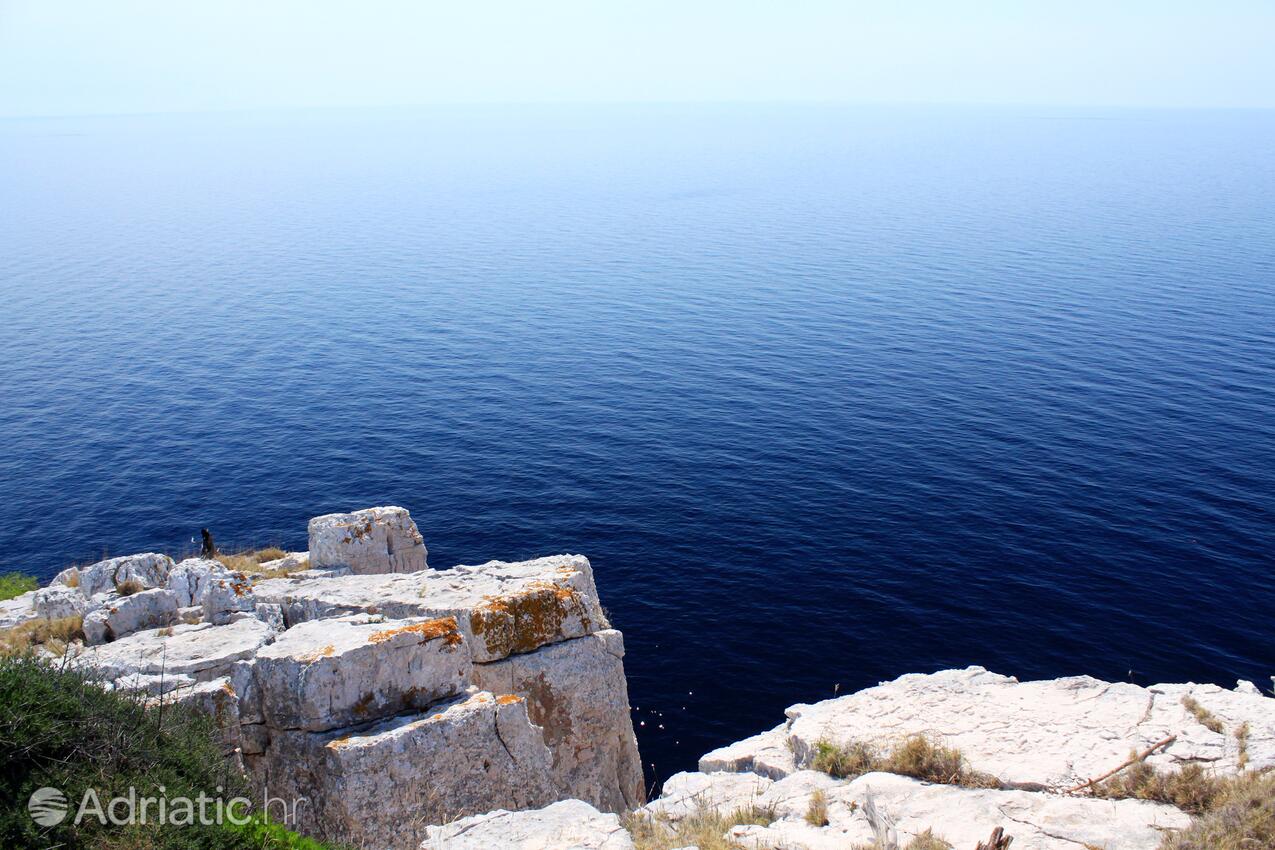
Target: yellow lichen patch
x,y
526,620
311,657
442,627
508,699
338,743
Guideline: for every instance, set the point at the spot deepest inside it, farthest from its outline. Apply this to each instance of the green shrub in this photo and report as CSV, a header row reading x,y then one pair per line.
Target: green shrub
x,y
59,730
16,584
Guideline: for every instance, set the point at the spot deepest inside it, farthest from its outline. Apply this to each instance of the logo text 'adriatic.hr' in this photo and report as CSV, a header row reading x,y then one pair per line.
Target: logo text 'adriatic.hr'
x,y
49,807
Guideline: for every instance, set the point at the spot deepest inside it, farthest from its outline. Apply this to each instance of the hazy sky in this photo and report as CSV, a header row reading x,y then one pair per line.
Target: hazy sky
x,y
78,56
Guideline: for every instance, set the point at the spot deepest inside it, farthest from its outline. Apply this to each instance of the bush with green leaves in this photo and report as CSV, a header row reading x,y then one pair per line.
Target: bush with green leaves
x,y
16,584
60,730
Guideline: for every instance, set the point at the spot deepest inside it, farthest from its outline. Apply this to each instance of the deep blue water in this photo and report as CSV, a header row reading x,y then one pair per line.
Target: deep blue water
x,y
827,395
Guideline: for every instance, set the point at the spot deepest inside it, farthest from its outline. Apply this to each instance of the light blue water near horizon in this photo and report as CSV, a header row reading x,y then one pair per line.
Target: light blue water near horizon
x,y
827,394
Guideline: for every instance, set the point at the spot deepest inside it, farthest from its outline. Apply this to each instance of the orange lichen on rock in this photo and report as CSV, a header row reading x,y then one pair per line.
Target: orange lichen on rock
x,y
442,627
526,620
311,657
508,699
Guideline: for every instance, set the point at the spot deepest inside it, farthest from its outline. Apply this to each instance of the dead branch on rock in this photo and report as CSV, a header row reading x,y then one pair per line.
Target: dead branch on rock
x,y
998,841
1136,758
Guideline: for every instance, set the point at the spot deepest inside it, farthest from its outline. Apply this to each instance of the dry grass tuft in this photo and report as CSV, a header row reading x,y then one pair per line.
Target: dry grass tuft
x,y
1202,714
704,828
928,841
53,635
924,841
1242,817
1190,789
251,560
1241,738
817,811
128,587
916,756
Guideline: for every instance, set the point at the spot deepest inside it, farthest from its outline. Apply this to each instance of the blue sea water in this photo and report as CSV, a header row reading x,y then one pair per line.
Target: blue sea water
x,y
826,394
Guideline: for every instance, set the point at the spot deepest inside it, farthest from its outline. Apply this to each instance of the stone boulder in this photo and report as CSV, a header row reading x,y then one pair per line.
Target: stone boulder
x,y
226,595
375,540
123,615
149,570
192,578
381,784
565,825
58,601
577,693
329,674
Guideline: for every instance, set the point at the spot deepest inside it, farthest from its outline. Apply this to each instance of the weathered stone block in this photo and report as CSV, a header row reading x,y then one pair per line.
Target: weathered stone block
x,y
328,674
123,615
375,540
380,785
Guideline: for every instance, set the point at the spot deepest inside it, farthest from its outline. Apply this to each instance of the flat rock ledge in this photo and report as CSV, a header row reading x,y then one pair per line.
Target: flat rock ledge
x,y
388,695
1038,739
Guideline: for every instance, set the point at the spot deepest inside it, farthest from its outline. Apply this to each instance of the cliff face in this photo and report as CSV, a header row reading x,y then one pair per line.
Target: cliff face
x,y
388,695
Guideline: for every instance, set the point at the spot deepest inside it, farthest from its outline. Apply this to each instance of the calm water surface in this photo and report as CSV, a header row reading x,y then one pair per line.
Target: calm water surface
x,y
826,394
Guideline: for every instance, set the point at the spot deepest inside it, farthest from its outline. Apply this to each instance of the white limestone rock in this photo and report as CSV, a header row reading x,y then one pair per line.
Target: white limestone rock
x,y
766,754
577,693
501,608
328,674
149,570
18,610
375,540
1232,709
685,794
1053,734
153,684
961,816
123,615
381,785
565,825
191,579
227,595
58,601
202,651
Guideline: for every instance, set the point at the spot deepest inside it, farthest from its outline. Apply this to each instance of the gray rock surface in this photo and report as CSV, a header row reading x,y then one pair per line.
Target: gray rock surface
x,y
577,693
382,784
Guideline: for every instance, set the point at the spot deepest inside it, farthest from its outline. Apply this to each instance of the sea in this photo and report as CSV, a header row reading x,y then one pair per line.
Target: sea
x,y
826,393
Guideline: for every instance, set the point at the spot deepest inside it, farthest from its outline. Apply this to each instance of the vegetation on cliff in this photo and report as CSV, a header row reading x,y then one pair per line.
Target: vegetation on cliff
x,y
58,730
16,584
